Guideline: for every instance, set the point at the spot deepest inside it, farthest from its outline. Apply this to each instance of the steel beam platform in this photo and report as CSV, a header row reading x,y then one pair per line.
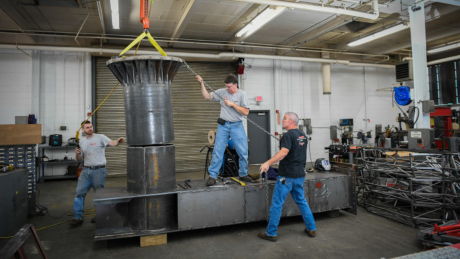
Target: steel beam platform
x,y
201,206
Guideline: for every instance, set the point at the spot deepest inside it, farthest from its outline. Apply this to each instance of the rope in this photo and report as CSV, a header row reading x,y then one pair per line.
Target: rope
x,y
57,224
78,131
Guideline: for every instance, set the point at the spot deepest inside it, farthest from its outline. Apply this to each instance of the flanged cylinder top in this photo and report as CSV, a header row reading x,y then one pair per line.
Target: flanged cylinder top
x,y
146,84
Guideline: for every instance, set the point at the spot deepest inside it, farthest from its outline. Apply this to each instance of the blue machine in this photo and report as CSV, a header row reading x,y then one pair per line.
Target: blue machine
x,y
402,95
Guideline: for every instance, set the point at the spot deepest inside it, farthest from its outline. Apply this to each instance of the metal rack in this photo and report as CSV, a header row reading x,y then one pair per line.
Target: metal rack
x,y
42,164
22,156
419,190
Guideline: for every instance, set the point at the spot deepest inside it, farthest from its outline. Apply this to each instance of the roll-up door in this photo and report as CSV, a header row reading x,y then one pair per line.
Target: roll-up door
x,y
193,116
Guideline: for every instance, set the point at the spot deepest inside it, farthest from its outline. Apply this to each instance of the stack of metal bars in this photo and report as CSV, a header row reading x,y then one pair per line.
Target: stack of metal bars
x,y
418,190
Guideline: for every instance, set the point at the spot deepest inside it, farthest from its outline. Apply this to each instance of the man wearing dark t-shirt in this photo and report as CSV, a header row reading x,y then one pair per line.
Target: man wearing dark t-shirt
x,y
291,176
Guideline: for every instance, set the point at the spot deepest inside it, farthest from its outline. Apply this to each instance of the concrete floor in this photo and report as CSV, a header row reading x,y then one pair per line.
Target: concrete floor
x,y
348,236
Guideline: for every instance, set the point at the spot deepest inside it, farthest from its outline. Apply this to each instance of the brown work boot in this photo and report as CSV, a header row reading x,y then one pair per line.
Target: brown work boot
x,y
76,222
211,181
246,178
310,233
264,236
93,220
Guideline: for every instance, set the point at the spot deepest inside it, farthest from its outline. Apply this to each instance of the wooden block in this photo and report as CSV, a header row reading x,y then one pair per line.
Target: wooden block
x,y
154,240
20,134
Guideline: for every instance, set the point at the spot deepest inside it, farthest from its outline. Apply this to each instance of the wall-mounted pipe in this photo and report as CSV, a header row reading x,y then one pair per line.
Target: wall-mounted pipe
x,y
193,42
326,69
320,8
228,55
443,60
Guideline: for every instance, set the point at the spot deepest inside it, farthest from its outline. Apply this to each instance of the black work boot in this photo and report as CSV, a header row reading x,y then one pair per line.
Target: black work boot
x,y
310,233
246,178
76,222
211,181
264,236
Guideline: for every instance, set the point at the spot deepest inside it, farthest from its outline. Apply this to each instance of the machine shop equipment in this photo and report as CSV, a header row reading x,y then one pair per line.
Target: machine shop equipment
x,y
347,134
151,203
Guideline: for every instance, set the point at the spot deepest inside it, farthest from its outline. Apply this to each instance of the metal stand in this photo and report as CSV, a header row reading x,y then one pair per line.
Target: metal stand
x,y
15,247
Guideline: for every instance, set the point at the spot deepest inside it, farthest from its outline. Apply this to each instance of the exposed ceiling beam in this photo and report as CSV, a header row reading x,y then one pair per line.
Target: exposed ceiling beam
x,y
239,22
450,2
318,30
406,43
449,16
22,19
101,20
190,9
374,14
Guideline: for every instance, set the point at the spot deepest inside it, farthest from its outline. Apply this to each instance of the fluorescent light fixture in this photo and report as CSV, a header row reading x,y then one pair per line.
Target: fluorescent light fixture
x,y
444,48
115,15
379,34
264,17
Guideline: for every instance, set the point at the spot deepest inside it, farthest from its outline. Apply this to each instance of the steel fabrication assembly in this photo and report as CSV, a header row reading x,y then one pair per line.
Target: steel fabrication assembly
x,y
418,188
152,203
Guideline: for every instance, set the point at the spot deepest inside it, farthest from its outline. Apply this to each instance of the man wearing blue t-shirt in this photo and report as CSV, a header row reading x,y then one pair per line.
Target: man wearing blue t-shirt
x,y
291,176
92,152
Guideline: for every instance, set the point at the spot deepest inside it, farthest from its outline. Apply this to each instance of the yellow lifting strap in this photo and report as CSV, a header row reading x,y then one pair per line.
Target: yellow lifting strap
x,y
137,40
142,36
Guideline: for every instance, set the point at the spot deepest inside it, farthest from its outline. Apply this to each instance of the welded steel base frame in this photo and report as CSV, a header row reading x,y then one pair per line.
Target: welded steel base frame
x,y
202,207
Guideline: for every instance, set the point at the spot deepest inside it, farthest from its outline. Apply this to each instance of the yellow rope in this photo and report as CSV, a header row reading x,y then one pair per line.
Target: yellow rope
x,y
78,131
68,214
44,227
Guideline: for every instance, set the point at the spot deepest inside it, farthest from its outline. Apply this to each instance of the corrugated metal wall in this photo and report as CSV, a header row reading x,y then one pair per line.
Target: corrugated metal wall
x,y
193,116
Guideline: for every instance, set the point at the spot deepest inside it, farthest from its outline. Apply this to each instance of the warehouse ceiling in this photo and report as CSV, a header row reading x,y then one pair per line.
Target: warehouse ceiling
x,y
211,25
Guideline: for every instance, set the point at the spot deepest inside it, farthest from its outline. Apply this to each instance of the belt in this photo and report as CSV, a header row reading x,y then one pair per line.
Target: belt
x,y
95,167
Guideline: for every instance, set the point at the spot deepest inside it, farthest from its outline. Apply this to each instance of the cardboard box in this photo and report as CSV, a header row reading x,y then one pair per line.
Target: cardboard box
x,y
403,155
20,134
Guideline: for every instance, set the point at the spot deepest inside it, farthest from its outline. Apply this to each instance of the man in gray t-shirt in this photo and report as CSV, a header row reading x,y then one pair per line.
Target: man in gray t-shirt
x,y
234,106
91,150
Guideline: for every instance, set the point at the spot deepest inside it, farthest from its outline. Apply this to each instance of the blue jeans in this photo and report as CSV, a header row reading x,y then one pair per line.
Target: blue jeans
x,y
280,193
89,178
235,130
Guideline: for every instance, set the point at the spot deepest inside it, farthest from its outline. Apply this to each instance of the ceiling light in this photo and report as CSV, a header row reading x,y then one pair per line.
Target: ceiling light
x,y
444,48
379,34
115,15
264,17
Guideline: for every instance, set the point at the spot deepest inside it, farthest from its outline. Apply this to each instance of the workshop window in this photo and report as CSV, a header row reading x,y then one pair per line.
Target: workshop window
x,y
443,83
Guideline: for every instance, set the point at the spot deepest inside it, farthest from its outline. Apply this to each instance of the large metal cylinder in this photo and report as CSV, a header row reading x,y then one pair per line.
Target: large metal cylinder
x,y
151,169
153,213
146,84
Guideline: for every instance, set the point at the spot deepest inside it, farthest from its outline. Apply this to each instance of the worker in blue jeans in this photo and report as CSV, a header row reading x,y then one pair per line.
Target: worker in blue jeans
x,y
234,106
92,152
291,176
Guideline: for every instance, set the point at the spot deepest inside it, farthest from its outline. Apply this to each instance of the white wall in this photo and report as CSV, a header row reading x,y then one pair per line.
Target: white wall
x,y
15,85
301,92
55,86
